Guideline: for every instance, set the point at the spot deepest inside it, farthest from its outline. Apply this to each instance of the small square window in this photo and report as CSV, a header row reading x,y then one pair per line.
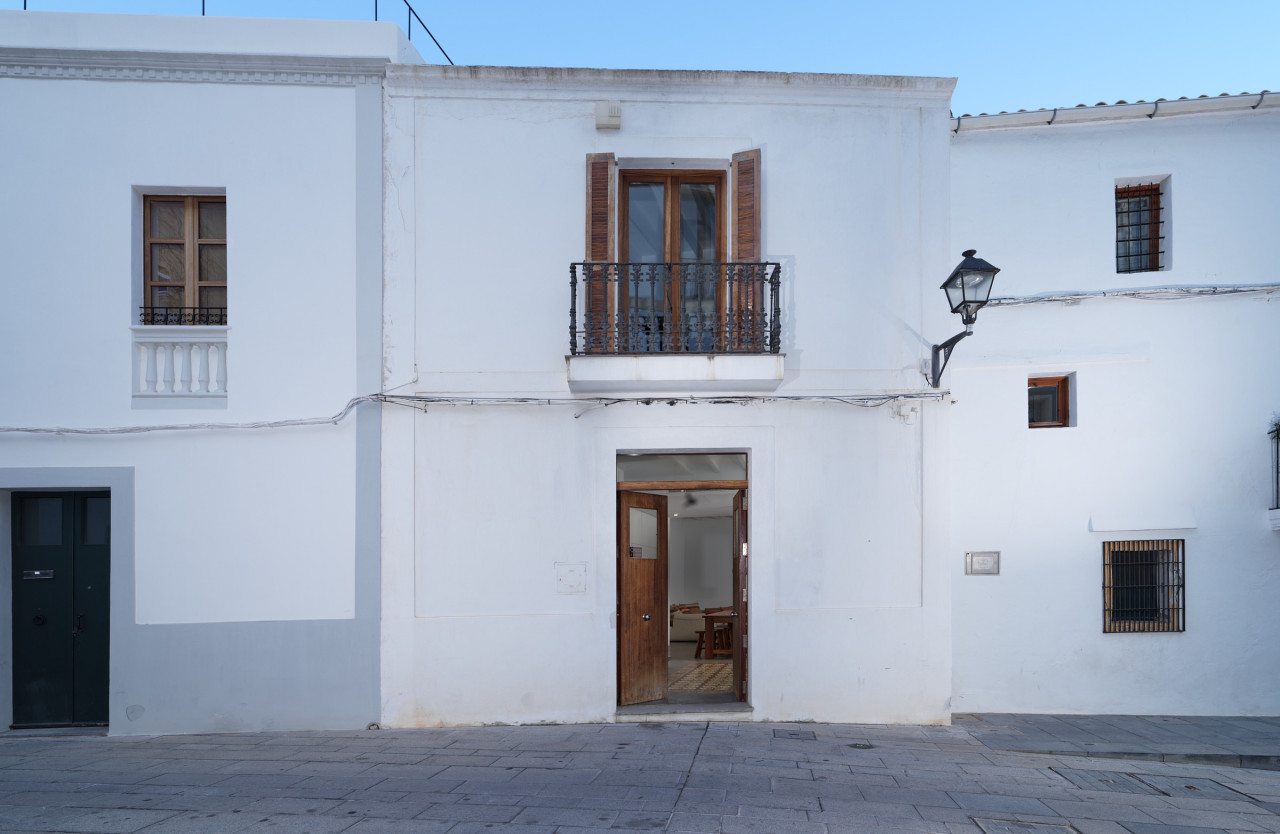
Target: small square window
x,y
1139,228
1142,586
1049,402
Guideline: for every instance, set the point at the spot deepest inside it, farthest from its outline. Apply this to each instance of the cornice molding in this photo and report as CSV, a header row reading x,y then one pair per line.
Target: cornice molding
x,y
189,67
590,84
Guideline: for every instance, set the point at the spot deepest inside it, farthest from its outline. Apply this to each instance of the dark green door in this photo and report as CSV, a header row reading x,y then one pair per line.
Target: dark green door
x,y
61,607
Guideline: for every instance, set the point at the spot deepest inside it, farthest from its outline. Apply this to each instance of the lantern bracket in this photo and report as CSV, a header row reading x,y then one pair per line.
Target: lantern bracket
x,y
942,355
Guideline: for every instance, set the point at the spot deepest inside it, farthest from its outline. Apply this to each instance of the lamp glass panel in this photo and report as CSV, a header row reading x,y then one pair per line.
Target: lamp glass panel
x,y
955,294
977,285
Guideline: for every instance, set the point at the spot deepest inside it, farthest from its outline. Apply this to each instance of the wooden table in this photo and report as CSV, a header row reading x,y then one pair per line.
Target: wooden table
x,y
709,622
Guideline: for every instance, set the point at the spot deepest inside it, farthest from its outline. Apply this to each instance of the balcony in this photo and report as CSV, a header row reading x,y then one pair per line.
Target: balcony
x,y
668,327
180,358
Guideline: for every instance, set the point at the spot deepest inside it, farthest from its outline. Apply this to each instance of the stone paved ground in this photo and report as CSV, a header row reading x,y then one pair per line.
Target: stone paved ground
x,y
722,777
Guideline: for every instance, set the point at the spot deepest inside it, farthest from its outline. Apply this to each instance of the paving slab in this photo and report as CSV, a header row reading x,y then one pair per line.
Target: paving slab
x,y
985,774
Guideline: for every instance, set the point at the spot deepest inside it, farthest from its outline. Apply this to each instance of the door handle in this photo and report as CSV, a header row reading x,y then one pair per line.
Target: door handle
x,y
79,624
645,617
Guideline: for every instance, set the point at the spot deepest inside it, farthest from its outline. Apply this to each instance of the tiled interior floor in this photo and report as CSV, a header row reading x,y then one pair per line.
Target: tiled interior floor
x,y
680,655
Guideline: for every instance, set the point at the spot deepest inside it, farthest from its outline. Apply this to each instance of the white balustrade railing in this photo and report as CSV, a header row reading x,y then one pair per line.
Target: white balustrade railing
x,y
180,361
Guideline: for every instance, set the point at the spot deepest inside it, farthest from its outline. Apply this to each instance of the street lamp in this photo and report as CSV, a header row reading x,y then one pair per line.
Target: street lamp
x,y
968,288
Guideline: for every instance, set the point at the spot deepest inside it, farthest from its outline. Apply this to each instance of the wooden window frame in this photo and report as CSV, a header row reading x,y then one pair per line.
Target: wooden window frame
x,y
190,242
1063,384
1154,239
671,181
1167,590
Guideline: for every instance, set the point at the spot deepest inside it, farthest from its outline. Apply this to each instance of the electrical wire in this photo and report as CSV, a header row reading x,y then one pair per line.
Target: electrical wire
x,y
261,424
421,402
1173,293
590,404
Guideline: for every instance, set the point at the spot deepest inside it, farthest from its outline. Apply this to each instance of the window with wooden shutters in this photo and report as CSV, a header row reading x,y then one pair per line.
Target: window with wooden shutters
x,y
671,292
688,276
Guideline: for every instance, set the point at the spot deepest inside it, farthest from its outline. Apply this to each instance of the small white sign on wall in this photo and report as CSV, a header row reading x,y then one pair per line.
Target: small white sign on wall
x,y
982,563
571,577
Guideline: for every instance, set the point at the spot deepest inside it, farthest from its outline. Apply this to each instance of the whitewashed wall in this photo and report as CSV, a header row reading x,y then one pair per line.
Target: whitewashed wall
x,y
225,528
701,560
1173,400
485,211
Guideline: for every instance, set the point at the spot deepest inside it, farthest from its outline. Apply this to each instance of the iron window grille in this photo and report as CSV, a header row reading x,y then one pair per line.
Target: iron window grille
x,y
1139,228
1142,586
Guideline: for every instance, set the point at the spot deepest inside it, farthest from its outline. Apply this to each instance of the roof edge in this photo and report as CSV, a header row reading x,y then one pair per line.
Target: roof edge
x,y
220,67
1265,100
920,85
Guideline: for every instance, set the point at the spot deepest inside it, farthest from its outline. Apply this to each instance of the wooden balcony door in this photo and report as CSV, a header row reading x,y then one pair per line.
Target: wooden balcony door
x,y
675,219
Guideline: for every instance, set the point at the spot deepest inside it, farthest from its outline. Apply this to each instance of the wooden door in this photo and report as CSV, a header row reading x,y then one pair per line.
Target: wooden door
x,y
740,639
642,597
671,297
61,608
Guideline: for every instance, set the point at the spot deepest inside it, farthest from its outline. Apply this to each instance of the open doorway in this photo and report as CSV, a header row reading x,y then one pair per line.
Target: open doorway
x,y
682,579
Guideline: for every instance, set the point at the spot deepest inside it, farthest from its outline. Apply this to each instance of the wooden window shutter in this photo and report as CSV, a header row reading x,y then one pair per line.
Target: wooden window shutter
x,y
746,288
599,286
600,207
746,205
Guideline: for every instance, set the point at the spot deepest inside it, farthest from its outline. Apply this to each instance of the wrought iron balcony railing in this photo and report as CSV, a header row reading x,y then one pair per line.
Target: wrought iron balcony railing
x,y
644,308
182,315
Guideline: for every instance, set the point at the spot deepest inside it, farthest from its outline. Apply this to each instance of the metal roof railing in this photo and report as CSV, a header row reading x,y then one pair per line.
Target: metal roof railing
x,y
411,14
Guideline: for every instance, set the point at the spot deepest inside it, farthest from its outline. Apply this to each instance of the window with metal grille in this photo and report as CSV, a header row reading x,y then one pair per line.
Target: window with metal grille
x,y
1142,586
1139,228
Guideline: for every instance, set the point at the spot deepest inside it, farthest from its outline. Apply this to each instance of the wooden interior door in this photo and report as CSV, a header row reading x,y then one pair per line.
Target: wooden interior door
x,y
642,597
740,621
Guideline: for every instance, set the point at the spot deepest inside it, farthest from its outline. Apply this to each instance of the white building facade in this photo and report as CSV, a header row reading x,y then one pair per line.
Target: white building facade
x,y
502,593
640,338
228,172
1167,400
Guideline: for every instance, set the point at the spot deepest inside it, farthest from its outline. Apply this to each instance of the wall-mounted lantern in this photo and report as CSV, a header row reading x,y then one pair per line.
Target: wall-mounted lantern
x,y
968,289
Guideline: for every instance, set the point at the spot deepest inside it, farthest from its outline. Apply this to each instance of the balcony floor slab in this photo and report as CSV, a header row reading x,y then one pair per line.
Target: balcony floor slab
x,y
671,373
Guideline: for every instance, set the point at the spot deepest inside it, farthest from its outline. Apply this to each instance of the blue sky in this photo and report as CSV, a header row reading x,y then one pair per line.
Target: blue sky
x,y
1007,55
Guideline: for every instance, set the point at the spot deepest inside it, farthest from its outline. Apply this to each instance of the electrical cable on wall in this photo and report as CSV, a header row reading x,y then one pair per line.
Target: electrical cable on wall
x,y
422,401
1139,293
261,424
590,404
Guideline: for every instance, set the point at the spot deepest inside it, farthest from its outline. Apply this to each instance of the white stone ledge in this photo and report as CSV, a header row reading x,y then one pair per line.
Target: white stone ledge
x,y
693,373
